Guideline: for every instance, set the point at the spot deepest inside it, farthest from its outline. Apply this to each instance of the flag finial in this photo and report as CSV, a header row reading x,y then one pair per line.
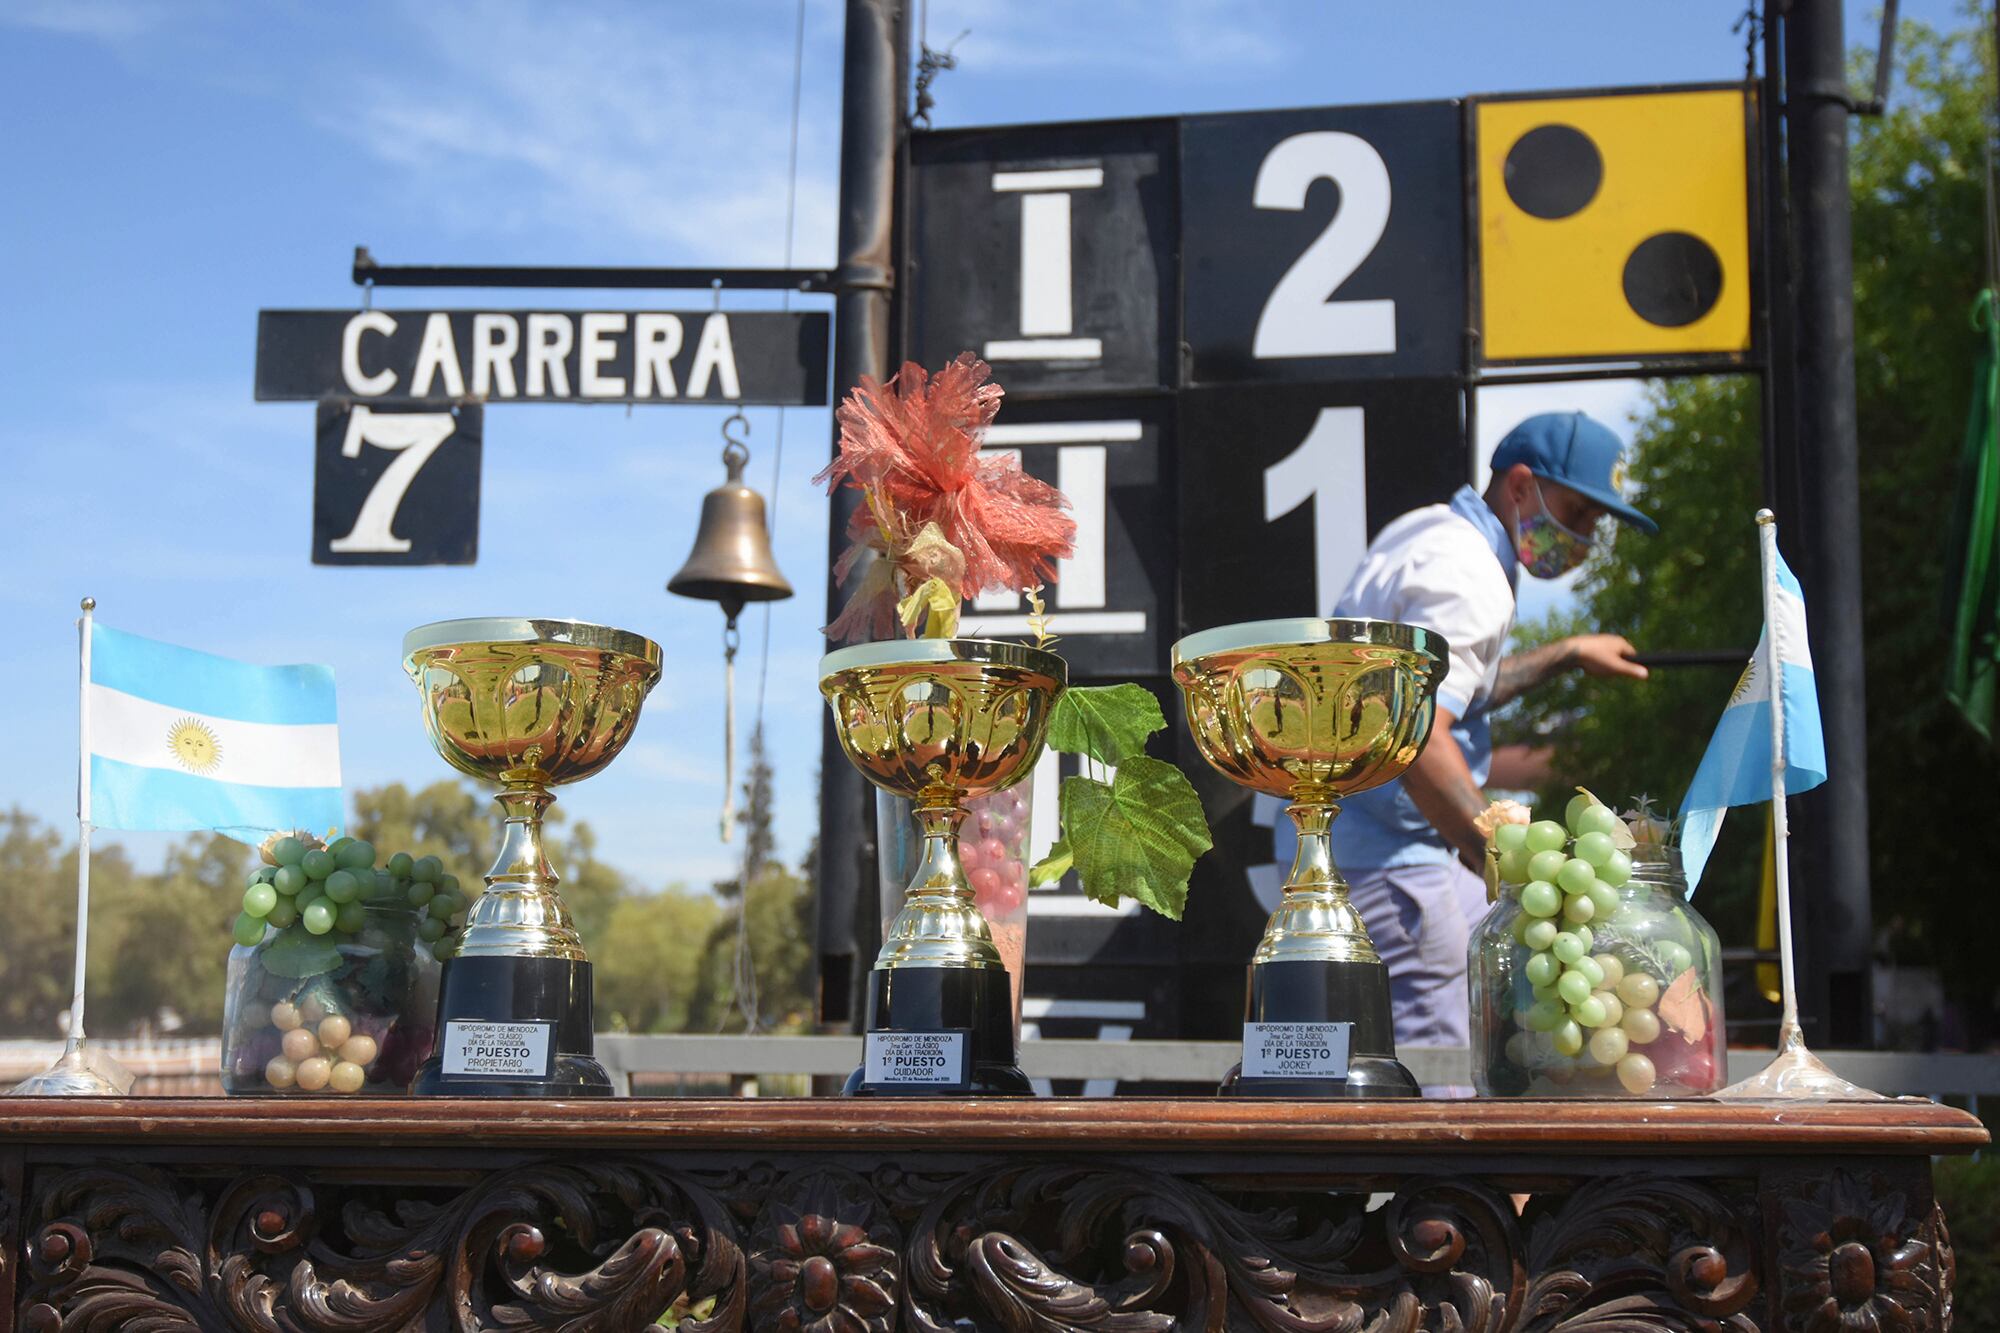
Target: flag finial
x,y
89,603
1766,518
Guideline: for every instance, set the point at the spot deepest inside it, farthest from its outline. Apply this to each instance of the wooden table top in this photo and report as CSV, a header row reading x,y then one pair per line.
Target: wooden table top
x,y
1125,1124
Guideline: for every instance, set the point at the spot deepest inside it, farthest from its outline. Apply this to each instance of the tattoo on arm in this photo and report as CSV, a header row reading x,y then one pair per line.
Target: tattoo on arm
x,y
1521,672
1441,785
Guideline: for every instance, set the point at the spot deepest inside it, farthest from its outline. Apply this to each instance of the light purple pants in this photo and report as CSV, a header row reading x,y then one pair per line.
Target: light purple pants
x,y
1421,919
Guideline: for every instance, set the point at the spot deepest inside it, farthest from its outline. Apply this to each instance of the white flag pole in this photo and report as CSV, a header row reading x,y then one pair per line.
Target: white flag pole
x,y
1790,1035
82,830
78,1073
1795,1073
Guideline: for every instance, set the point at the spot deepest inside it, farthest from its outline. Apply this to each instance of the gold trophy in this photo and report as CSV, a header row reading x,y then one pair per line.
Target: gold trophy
x,y
940,721
528,704
1314,710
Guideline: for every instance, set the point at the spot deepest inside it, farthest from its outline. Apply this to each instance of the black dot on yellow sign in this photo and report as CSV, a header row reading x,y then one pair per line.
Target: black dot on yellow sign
x,y
1553,171
1613,226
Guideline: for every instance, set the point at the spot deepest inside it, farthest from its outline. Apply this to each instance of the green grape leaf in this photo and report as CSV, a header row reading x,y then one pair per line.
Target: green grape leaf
x,y
1105,722
1051,867
297,952
1137,836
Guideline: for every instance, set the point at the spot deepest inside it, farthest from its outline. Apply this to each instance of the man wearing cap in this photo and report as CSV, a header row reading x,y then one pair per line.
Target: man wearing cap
x,y
1409,849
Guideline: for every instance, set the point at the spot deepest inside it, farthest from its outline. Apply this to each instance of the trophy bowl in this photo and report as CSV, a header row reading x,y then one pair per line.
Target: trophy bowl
x,y
1312,711
527,704
941,721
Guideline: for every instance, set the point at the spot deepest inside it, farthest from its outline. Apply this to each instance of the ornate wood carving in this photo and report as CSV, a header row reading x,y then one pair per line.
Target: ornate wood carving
x,y
1859,1254
822,1257
602,1245
1642,1254
603,1241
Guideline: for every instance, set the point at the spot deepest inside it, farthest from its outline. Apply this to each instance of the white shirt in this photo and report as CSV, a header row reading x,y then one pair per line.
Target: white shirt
x,y
1433,568
1447,568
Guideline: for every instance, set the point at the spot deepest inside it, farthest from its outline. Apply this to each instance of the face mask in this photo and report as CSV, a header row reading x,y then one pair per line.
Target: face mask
x,y
1547,549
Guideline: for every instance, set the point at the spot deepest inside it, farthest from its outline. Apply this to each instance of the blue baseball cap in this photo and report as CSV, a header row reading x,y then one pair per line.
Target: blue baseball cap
x,y
1572,450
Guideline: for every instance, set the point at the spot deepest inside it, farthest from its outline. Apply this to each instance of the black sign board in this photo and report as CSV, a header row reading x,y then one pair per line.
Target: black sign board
x,y
1323,244
1113,601
544,356
1287,309
396,486
1287,483
1049,251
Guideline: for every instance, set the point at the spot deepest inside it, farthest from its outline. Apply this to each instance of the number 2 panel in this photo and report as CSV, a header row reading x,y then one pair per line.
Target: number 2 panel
x,y
1325,244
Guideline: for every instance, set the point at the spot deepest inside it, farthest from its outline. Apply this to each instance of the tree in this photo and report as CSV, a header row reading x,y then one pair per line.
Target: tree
x,y
35,965
159,943
766,934
460,825
1919,239
755,825
652,965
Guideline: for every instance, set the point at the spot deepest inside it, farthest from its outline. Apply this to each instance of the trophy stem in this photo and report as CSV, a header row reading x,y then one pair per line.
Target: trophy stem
x,y
519,982
1316,920
1316,965
521,859
521,914
940,924
939,976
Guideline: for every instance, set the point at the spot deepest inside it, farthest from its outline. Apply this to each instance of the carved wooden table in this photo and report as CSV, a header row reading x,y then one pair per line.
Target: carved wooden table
x,y
1123,1216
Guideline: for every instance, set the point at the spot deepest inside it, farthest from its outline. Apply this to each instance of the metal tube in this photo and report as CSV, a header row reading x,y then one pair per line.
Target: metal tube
x,y
584,278
872,100
1816,113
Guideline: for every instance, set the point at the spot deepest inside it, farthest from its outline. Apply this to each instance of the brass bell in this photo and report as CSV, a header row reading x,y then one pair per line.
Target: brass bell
x,y
731,562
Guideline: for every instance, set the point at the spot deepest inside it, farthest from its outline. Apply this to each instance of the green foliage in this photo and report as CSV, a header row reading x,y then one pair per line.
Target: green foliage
x,y
755,956
35,870
159,943
1696,456
1138,835
1970,1193
650,965
1106,722
1918,220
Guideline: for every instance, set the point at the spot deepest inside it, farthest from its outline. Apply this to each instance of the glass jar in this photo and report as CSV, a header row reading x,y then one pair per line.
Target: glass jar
x,y
1651,1023
367,999
993,846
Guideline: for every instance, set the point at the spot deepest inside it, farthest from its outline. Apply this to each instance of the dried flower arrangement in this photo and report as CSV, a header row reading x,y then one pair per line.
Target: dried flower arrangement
x,y
942,523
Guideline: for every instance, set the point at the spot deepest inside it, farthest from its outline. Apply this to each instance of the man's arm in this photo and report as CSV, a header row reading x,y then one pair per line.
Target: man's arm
x,y
1595,654
1441,784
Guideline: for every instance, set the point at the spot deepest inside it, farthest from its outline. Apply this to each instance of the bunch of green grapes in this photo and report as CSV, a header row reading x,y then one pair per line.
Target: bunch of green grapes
x,y
1583,1000
323,890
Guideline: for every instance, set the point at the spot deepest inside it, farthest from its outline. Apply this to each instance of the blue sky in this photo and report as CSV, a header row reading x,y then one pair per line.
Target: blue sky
x,y
174,165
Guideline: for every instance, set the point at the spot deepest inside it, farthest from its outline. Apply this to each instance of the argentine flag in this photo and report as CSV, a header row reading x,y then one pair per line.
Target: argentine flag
x,y
1736,770
184,740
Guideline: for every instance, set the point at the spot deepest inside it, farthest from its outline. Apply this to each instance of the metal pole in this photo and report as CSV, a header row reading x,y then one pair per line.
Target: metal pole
x,y
1816,113
872,105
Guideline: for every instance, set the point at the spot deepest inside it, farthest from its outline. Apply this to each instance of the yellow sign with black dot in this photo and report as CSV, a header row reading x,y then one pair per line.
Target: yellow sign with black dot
x,y
1613,226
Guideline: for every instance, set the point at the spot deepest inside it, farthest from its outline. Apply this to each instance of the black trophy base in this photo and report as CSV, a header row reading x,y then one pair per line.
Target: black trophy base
x,y
979,1000
519,990
1322,992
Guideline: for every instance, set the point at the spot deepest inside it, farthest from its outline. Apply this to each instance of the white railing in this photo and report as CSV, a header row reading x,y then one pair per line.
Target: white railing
x,y
1920,1074
190,1064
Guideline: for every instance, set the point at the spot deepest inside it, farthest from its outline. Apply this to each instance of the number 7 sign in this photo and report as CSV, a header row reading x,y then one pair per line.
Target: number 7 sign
x,y
396,486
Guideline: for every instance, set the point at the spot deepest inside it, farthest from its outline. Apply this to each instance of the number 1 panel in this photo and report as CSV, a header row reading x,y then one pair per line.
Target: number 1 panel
x,y
1282,487
1112,603
1324,244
